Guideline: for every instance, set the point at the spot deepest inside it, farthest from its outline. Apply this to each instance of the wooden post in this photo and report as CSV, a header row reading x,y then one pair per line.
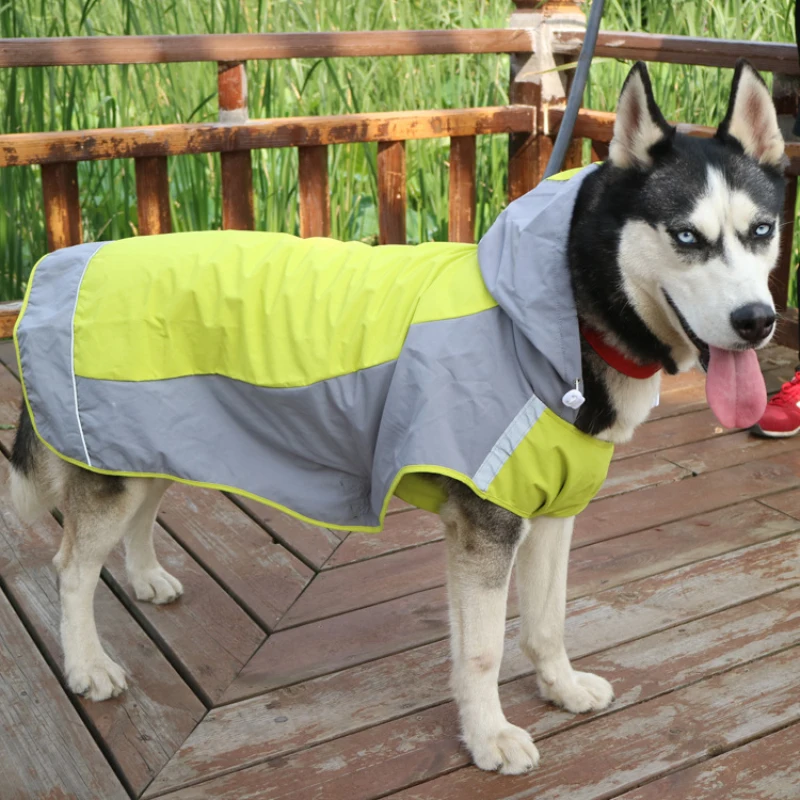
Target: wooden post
x,y
599,151
315,199
462,189
786,96
392,192
62,208
532,84
236,165
152,195
8,318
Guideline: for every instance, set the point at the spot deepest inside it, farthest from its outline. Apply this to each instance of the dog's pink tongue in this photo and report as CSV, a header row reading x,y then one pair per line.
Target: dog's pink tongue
x,y
735,387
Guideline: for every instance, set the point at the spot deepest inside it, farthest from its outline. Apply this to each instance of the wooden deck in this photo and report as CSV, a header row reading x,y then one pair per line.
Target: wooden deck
x,y
306,664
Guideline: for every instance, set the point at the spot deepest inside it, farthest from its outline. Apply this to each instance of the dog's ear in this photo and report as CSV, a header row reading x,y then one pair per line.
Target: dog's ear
x,y
640,125
751,117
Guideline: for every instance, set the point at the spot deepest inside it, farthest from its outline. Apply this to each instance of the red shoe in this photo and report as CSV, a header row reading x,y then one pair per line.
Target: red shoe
x,y
782,416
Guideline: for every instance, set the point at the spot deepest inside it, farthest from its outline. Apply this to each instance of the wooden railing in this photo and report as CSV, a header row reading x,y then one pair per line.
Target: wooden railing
x,y
541,36
237,47
766,56
234,136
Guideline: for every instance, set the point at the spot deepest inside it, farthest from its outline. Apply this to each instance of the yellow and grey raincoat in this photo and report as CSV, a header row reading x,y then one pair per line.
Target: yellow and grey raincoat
x,y
318,376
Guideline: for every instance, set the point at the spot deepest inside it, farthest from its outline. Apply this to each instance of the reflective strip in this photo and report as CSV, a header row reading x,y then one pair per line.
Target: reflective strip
x,y
44,343
508,442
72,359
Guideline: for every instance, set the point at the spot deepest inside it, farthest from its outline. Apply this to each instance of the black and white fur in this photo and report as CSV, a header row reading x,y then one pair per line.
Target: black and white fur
x,y
670,239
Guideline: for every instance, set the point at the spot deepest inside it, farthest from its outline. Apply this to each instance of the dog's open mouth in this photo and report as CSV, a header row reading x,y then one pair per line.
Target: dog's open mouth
x,y
705,354
735,387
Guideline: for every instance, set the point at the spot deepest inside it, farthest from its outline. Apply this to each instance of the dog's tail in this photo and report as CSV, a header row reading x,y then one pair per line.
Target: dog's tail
x,y
33,492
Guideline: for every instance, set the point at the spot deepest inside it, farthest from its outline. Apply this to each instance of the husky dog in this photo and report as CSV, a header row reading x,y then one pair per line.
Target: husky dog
x,y
670,248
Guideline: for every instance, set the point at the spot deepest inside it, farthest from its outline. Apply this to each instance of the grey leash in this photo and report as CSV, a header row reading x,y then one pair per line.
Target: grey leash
x,y
576,91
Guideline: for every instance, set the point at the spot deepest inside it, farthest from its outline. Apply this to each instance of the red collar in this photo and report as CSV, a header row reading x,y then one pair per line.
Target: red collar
x,y
617,360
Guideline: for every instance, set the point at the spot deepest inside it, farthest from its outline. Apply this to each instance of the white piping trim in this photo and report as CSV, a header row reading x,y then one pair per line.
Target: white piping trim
x,y
509,440
72,357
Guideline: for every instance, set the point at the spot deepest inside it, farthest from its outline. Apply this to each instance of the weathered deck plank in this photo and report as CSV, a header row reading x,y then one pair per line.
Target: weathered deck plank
x,y
620,751
364,634
396,505
765,769
10,397
388,757
147,723
657,505
355,637
236,550
681,394
727,451
402,531
661,433
8,356
205,630
386,577
310,542
787,502
45,749
639,472
367,582
284,720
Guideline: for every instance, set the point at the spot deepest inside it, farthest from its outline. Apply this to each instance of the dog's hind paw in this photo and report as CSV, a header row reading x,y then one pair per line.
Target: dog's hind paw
x,y
578,692
510,751
156,586
99,679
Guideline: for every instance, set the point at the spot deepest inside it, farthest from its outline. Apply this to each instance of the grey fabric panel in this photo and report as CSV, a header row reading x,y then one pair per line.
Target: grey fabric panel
x,y
456,388
45,344
523,259
508,442
329,451
309,449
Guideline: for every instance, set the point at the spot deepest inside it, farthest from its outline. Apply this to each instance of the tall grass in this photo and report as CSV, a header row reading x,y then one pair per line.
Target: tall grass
x,y
54,98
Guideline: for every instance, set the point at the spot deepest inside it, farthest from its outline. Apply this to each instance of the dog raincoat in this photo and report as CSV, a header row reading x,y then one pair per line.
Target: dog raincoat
x,y
318,376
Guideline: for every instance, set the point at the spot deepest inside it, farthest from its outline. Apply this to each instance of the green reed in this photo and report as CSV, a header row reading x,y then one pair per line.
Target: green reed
x,y
40,99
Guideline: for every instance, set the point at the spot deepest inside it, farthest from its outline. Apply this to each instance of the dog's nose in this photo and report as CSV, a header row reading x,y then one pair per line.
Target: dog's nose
x,y
753,322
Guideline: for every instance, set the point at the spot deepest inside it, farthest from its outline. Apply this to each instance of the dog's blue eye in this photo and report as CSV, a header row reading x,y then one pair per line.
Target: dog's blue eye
x,y
764,229
686,237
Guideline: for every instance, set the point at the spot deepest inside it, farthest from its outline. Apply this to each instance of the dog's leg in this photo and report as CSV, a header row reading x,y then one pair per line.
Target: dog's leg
x,y
150,581
97,510
542,583
481,544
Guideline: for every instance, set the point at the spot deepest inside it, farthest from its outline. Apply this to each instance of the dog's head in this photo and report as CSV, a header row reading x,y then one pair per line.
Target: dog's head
x,y
696,247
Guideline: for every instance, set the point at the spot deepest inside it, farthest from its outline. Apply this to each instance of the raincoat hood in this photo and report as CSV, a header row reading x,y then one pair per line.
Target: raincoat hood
x,y
523,259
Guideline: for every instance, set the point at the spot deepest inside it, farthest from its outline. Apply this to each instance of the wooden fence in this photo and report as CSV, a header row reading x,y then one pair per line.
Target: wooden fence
x,y
529,122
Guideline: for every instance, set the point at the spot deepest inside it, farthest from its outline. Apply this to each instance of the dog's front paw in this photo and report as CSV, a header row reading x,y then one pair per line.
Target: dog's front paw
x,y
156,586
509,750
98,679
578,692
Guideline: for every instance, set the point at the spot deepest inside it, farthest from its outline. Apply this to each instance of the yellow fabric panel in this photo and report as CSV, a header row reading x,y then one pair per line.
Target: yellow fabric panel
x,y
556,470
421,492
269,309
566,174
